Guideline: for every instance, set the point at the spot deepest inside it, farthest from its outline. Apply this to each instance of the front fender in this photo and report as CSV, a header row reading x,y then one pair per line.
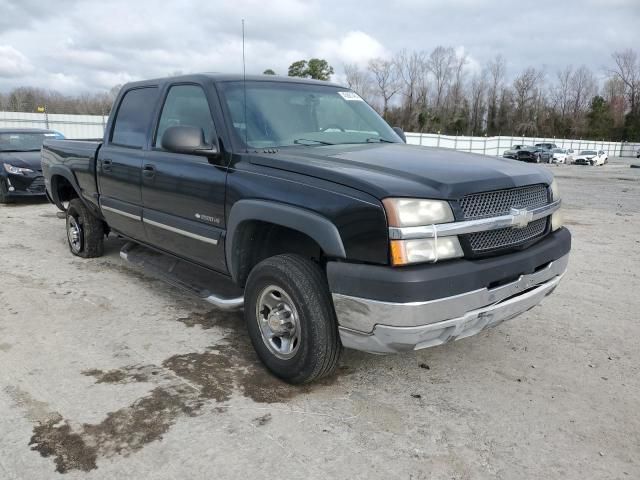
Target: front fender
x,y
317,227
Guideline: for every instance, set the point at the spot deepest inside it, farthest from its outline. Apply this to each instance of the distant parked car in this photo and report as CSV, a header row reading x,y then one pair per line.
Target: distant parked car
x,y
591,157
20,170
513,151
529,154
546,151
560,155
546,146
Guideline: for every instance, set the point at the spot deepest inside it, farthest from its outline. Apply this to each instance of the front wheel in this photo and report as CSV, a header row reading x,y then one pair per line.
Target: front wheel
x,y
85,232
290,318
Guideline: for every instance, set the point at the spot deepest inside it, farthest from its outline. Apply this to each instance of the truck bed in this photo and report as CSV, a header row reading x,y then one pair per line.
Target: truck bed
x,y
75,158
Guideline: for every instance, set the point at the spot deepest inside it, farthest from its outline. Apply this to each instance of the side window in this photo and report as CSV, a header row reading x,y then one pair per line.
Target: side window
x,y
185,105
134,117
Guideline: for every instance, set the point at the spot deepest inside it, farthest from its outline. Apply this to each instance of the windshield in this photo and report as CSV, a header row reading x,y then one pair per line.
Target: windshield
x,y
24,141
558,150
588,152
283,114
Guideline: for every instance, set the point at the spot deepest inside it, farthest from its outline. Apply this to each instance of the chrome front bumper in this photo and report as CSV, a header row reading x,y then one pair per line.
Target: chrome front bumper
x,y
385,327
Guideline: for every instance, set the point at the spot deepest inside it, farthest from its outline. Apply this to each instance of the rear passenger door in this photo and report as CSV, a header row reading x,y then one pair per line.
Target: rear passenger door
x,y
120,158
183,195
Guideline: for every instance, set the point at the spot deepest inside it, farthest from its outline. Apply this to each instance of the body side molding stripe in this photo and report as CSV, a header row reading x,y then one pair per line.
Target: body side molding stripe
x,y
121,212
179,231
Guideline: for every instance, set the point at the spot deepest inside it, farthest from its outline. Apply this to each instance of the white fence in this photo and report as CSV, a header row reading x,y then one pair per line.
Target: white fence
x,y
92,126
71,126
497,145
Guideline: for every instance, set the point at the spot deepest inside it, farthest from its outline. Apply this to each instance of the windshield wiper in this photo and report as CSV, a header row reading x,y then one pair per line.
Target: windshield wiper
x,y
378,139
300,141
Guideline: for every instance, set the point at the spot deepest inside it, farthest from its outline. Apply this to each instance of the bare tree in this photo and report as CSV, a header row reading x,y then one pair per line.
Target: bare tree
x,y
477,92
385,76
358,80
441,64
614,94
456,92
411,69
628,71
561,94
582,88
526,89
497,69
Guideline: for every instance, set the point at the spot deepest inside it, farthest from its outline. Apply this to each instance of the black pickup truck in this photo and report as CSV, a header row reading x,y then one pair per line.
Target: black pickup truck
x,y
335,231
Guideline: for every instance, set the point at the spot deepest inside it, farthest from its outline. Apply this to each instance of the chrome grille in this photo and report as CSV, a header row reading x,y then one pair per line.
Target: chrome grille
x,y
500,202
506,237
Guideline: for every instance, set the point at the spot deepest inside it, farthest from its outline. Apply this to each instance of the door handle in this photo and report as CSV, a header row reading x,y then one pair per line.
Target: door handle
x,y
149,170
106,165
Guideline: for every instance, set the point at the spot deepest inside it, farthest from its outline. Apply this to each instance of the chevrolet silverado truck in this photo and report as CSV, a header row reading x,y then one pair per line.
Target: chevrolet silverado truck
x,y
334,232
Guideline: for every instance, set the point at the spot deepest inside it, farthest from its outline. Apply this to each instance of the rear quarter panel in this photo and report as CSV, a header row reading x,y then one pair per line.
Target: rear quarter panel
x,y
76,161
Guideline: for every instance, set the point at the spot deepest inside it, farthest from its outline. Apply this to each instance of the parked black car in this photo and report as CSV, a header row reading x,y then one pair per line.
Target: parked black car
x,y
333,232
546,151
529,154
20,170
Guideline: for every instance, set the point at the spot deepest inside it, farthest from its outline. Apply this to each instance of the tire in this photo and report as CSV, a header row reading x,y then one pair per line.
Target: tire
x,y
289,288
85,233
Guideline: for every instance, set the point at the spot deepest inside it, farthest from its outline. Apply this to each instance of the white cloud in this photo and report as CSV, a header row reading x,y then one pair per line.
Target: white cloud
x,y
78,46
354,47
13,63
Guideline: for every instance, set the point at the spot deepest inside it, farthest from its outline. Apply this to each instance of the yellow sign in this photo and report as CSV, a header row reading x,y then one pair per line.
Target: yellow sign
x,y
41,109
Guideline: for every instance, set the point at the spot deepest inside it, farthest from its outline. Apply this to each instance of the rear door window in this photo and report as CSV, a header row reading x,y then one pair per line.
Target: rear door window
x,y
134,117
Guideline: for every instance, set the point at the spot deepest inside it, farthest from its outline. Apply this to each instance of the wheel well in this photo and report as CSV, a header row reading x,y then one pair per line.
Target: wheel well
x,y
255,241
62,190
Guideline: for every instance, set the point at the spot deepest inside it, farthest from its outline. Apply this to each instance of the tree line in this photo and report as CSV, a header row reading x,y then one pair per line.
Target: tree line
x,y
436,91
30,99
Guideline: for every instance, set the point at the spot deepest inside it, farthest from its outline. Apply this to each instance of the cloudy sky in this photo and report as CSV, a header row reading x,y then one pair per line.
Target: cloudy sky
x,y
91,45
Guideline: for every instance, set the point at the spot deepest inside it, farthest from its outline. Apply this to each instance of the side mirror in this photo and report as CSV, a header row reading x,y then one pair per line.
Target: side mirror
x,y
400,133
186,139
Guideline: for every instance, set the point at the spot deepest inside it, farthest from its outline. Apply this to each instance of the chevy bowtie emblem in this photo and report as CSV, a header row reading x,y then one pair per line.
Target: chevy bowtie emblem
x,y
521,217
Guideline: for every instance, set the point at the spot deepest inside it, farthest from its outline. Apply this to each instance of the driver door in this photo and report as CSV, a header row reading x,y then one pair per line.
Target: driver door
x,y
182,194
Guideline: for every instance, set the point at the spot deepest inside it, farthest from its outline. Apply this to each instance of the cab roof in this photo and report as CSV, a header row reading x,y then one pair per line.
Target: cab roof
x,y
230,77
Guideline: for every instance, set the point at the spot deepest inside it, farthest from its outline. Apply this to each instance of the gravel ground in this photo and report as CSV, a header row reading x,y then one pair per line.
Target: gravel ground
x,y
108,373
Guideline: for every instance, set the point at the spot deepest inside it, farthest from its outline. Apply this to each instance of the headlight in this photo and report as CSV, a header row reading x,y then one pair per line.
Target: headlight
x,y
555,192
412,212
404,252
17,170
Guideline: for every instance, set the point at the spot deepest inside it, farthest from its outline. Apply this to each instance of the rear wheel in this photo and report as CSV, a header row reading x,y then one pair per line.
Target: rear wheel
x,y
85,232
290,318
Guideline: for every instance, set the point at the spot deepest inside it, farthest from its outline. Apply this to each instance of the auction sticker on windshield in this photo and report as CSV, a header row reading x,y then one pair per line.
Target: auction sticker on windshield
x,y
351,96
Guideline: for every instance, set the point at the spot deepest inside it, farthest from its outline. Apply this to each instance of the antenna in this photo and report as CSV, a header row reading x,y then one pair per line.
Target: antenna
x,y
244,92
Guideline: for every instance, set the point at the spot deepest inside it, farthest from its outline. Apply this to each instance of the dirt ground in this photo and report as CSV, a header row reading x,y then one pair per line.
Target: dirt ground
x,y
108,373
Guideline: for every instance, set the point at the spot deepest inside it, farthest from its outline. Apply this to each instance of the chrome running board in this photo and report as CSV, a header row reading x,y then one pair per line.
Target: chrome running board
x,y
209,286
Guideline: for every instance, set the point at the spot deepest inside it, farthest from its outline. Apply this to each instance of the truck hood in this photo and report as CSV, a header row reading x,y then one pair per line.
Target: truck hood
x,y
387,170
22,159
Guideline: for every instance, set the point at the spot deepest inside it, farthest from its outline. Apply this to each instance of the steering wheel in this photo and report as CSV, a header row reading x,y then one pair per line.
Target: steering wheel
x,y
332,125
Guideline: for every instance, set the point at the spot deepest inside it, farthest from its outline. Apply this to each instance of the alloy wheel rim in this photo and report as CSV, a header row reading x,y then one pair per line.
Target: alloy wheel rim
x,y
74,234
278,322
